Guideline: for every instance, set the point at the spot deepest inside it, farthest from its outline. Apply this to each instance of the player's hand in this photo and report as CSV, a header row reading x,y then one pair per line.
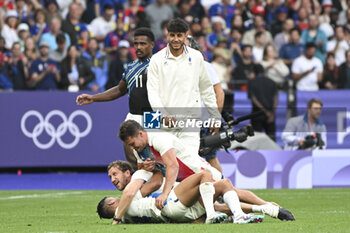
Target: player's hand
x,y
214,129
161,200
301,142
116,223
149,165
84,99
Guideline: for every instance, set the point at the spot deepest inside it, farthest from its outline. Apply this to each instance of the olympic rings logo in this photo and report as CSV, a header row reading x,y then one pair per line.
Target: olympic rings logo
x,y
56,134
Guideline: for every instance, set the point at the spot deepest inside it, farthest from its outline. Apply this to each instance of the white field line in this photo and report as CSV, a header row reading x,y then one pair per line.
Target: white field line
x,y
40,195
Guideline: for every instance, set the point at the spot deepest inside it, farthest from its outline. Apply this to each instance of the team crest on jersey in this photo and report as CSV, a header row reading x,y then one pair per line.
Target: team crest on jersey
x,y
151,120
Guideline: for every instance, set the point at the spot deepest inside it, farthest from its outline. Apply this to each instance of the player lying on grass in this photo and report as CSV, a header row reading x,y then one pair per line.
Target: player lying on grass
x,y
188,201
120,173
174,160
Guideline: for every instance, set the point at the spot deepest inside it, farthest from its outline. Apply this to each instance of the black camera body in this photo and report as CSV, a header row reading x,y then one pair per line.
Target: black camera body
x,y
210,144
313,141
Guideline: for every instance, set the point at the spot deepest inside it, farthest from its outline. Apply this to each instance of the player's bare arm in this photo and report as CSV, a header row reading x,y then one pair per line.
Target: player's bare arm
x,y
172,169
109,95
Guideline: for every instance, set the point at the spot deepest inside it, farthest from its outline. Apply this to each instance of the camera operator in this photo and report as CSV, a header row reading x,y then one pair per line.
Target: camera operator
x,y
306,131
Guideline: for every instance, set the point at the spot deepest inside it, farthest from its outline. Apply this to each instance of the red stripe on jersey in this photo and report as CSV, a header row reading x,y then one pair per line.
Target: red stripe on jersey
x,y
184,170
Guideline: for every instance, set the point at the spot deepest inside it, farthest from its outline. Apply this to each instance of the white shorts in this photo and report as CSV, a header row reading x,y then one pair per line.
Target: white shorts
x,y
137,118
176,211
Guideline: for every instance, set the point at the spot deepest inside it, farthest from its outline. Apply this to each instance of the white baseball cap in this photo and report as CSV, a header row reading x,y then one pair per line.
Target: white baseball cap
x,y
23,27
11,13
124,43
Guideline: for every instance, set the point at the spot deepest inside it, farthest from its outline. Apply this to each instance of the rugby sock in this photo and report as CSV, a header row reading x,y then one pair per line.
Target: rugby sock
x,y
256,208
231,199
207,192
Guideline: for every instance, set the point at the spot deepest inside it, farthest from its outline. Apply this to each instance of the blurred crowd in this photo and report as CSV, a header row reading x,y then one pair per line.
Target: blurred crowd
x,y
86,44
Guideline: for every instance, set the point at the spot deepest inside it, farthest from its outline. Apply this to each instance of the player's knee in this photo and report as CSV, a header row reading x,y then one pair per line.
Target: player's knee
x,y
227,182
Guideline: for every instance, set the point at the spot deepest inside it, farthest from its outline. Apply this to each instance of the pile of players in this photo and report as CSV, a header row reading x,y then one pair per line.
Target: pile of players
x,y
175,79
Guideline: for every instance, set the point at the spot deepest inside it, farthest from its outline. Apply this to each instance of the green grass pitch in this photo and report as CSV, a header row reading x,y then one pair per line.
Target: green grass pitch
x,y
316,210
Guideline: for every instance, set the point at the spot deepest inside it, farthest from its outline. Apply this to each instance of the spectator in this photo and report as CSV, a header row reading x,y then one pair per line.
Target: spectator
x,y
298,128
236,45
221,64
237,22
282,38
156,13
317,36
15,69
162,42
44,72
224,10
344,73
8,31
248,15
289,52
64,6
30,51
195,27
183,12
330,74
197,9
327,6
245,70
130,13
259,26
75,71
307,70
52,10
22,11
55,30
119,64
274,68
205,24
61,52
84,36
99,6
141,20
272,7
259,45
302,21
277,25
101,26
218,25
113,38
99,65
338,46
40,25
23,34
72,25
263,93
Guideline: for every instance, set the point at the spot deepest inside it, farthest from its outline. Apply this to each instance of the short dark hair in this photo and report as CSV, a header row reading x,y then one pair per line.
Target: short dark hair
x,y
143,31
122,165
60,39
177,25
103,210
129,128
295,29
258,34
245,46
312,101
107,7
310,45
